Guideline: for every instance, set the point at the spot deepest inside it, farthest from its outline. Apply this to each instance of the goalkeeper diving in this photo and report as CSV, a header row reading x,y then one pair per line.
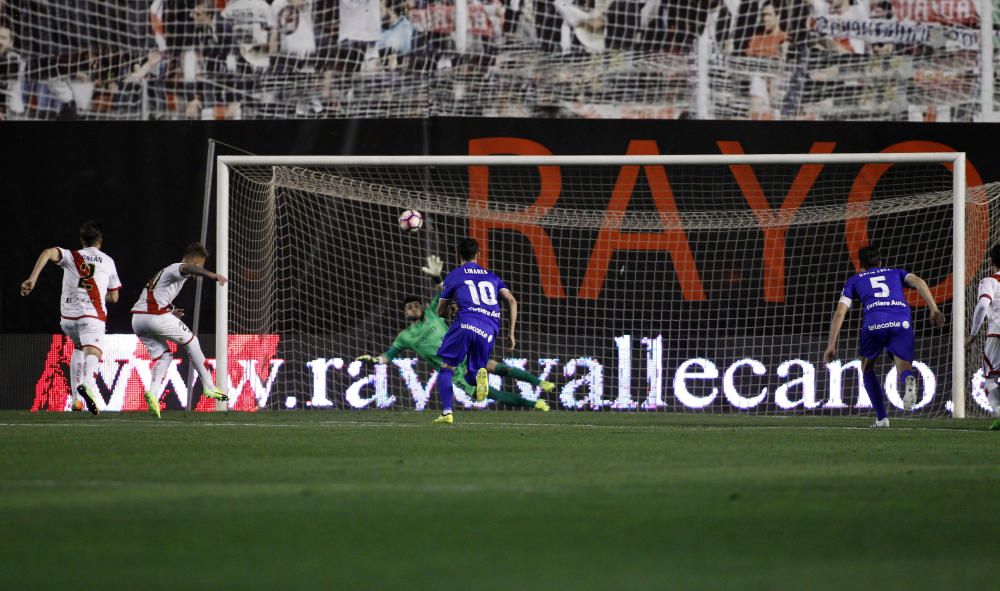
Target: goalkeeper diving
x,y
424,335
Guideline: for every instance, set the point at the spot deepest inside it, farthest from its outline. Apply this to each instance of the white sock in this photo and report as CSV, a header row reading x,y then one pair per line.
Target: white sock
x,y
90,372
76,363
90,365
158,380
198,361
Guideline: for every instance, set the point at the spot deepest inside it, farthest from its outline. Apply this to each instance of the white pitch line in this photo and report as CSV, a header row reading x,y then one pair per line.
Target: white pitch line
x,y
295,486
497,425
719,427
162,424
50,425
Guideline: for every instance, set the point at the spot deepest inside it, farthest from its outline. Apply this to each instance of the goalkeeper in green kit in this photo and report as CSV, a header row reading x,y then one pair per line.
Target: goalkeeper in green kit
x,y
424,335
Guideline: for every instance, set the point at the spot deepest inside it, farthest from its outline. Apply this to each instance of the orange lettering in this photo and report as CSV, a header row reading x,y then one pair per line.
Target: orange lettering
x,y
481,221
672,238
977,219
774,236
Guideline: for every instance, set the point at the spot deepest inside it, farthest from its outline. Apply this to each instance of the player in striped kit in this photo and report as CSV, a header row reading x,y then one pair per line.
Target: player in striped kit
x,y
90,279
988,311
155,321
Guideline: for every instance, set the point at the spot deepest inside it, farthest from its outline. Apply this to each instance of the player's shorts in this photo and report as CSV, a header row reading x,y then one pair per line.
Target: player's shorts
x,y
84,332
886,333
154,330
991,361
467,342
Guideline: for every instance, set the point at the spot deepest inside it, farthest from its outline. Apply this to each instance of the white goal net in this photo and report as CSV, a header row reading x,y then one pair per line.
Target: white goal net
x,y
651,284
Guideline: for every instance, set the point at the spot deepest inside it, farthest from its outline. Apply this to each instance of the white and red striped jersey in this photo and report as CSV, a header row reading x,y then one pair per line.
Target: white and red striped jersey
x,y
989,288
161,289
88,275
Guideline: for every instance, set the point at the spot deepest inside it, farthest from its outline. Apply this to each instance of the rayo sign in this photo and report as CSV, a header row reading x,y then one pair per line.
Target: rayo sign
x,y
672,240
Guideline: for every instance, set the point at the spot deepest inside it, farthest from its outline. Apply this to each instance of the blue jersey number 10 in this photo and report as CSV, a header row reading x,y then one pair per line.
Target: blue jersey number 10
x,y
485,294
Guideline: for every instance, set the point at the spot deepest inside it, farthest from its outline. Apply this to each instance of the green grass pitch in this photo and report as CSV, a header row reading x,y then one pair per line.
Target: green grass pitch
x,y
501,500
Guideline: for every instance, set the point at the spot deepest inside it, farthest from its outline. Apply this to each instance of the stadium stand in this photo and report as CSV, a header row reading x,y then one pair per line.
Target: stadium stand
x,y
890,60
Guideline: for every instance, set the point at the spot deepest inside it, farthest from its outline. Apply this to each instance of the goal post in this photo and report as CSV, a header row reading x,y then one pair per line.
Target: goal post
x,y
732,200
222,268
958,328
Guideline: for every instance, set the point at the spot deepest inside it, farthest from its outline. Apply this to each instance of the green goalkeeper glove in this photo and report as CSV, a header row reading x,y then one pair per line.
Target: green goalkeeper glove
x,y
434,267
368,359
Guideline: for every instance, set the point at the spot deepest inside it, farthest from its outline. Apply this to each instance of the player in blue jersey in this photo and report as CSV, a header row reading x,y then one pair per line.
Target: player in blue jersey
x,y
425,334
885,325
476,326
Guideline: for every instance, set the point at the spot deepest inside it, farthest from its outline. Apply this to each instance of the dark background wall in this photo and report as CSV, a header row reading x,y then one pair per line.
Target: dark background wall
x,y
145,180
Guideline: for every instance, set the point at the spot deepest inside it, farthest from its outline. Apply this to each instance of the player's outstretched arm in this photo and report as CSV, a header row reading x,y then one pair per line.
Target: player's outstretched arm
x,y
982,310
434,268
49,255
202,272
372,359
835,323
512,305
399,345
978,316
920,285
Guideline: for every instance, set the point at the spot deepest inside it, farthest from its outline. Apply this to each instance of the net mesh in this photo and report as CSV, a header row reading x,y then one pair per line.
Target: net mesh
x,y
677,288
728,59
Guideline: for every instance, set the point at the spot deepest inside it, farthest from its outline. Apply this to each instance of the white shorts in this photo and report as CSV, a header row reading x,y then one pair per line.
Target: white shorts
x,y
84,332
991,361
154,330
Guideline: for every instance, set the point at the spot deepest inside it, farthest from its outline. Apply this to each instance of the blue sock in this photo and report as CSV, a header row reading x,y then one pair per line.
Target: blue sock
x,y
874,388
903,376
445,389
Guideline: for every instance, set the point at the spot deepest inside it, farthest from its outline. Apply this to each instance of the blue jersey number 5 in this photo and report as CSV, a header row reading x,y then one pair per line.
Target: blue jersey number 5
x,y
878,283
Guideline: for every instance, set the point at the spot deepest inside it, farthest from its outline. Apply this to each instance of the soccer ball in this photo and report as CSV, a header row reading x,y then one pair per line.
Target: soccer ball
x,y
411,220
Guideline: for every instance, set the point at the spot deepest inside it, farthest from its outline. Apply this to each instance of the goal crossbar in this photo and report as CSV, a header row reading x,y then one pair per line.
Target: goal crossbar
x,y
593,160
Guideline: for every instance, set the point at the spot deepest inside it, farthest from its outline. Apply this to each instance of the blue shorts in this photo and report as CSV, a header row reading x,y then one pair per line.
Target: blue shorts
x,y
465,341
892,334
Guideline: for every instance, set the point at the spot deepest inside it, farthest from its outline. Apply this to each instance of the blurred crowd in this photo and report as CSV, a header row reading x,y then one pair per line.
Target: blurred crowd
x,y
228,59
